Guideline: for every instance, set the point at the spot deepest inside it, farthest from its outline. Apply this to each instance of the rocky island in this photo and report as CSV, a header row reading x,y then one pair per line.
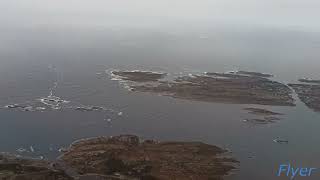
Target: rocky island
x,y
264,116
138,76
264,120
213,87
261,112
257,74
308,80
125,157
309,94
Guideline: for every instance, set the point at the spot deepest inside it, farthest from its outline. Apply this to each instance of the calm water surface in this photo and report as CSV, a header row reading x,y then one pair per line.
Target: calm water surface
x,y
80,57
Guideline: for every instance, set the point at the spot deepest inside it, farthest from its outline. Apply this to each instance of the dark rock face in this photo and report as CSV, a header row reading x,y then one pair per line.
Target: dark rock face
x,y
128,157
217,87
309,94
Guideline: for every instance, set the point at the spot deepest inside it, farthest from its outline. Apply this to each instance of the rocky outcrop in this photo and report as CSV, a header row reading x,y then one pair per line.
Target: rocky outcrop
x,y
309,94
244,88
138,76
14,168
261,112
128,157
124,157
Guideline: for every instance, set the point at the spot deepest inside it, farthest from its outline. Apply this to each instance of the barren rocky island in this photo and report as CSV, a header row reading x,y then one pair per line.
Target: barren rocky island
x,y
309,94
125,157
240,87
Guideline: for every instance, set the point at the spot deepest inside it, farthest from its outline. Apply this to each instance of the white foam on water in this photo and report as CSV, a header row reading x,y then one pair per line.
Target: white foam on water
x,y
32,149
41,108
21,150
62,149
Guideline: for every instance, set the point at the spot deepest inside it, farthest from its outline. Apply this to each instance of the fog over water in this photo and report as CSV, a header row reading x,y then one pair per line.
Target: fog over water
x,y
72,43
300,14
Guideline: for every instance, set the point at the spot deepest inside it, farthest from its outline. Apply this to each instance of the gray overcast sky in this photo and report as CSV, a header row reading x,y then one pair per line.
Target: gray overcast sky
x,y
303,14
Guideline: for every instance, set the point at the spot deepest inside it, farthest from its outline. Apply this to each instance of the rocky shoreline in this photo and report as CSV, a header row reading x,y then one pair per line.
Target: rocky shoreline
x,y
263,116
309,94
308,80
138,76
125,157
17,168
237,88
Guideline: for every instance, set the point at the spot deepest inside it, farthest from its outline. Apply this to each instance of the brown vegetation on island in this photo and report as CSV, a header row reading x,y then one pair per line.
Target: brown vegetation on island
x,y
130,158
14,168
215,87
124,157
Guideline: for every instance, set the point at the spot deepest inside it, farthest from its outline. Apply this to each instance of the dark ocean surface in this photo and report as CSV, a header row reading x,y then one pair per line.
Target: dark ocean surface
x,y
33,60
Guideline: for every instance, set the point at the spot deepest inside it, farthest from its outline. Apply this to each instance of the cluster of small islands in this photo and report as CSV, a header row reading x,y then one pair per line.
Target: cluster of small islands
x,y
129,157
236,87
